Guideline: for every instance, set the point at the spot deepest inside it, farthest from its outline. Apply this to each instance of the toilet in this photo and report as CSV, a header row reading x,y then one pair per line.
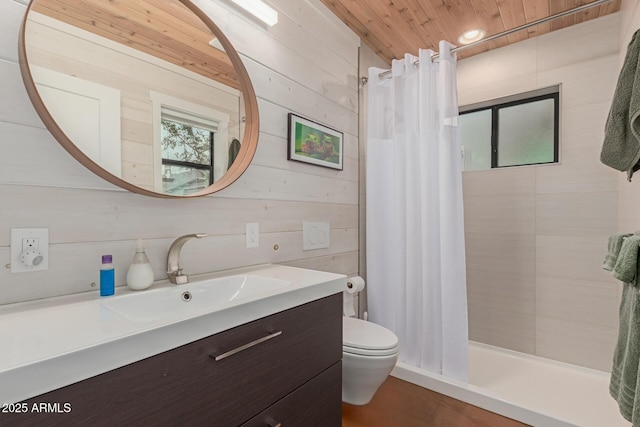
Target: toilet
x,y
369,353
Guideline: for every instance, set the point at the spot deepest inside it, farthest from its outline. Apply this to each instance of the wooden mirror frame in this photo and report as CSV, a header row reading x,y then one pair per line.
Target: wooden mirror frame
x,y
249,139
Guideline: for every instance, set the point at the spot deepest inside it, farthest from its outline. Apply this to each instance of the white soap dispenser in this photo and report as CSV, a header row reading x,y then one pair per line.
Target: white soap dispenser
x,y
140,273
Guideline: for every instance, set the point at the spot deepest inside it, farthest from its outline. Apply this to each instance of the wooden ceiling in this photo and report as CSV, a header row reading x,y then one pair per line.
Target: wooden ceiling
x,y
168,30
165,29
395,27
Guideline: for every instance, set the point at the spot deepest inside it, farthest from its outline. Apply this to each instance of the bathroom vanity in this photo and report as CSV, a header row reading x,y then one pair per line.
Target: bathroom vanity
x,y
282,368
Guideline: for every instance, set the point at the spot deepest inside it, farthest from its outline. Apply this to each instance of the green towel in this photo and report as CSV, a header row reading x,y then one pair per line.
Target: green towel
x,y
626,268
626,358
615,243
621,147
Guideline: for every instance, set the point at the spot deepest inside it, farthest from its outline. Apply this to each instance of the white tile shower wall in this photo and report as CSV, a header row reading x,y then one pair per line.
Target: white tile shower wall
x,y
306,64
536,235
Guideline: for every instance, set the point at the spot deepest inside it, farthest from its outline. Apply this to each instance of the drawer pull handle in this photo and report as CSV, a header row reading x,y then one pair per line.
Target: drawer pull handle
x,y
246,346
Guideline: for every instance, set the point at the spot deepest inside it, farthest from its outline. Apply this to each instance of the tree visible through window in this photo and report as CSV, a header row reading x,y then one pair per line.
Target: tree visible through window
x,y
187,157
514,131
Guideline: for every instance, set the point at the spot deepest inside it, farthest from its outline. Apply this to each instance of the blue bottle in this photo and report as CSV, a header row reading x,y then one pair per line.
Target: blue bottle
x,y
107,276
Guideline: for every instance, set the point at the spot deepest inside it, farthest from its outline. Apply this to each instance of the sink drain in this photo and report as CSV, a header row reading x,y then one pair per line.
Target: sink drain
x,y
186,296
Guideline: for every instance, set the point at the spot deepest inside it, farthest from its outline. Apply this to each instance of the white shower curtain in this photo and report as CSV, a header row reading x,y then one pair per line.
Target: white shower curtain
x,y
415,230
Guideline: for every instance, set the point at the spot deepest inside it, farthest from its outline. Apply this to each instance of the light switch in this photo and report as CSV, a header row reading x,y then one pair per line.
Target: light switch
x,y
315,235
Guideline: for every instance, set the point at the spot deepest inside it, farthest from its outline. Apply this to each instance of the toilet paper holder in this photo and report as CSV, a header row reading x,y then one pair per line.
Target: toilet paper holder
x,y
355,284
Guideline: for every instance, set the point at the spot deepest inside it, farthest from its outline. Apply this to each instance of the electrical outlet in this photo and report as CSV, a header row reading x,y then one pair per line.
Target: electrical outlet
x,y
252,234
29,243
29,249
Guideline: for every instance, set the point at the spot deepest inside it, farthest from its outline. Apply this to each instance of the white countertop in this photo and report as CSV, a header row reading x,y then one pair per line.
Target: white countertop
x,y
50,343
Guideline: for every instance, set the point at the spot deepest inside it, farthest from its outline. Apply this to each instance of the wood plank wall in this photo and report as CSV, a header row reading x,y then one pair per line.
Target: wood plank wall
x,y
306,64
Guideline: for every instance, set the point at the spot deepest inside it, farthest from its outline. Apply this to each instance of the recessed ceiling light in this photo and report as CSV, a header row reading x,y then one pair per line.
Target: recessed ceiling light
x,y
471,36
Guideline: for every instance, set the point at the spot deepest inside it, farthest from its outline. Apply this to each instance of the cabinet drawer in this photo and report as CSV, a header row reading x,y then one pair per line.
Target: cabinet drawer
x,y
187,386
316,403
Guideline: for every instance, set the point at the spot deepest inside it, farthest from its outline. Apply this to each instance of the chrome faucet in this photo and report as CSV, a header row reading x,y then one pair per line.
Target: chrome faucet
x,y
173,259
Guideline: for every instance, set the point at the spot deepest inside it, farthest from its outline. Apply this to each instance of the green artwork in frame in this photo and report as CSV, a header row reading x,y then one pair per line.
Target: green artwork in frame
x,y
314,143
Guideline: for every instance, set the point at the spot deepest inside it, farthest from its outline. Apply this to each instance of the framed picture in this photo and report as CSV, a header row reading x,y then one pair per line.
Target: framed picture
x,y
311,142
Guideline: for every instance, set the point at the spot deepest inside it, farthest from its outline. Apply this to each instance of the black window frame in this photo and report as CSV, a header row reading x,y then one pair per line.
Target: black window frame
x,y
200,166
524,98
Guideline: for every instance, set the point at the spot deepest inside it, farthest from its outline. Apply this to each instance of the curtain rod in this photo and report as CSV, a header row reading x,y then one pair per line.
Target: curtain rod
x,y
508,32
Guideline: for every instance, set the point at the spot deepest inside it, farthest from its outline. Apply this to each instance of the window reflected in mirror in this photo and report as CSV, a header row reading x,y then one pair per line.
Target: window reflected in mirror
x,y
187,157
180,96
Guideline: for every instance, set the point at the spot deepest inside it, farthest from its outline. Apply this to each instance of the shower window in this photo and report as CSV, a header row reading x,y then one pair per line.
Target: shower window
x,y
513,131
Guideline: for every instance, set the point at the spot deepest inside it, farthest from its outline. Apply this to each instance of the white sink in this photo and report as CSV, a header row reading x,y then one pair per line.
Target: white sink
x,y
179,301
55,342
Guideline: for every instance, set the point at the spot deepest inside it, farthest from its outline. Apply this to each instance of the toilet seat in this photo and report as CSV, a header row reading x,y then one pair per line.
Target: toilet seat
x,y
369,353
367,339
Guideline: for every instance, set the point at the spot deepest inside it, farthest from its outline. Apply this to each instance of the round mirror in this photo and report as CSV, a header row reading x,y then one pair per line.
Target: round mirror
x,y
149,95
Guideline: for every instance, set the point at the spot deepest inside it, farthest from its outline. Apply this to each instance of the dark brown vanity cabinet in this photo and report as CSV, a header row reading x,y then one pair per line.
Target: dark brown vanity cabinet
x,y
283,369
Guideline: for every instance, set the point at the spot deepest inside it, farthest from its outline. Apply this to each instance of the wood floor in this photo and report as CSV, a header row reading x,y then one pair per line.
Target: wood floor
x,y
401,404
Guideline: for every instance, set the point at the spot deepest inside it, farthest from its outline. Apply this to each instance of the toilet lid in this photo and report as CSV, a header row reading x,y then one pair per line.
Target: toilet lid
x,y
359,335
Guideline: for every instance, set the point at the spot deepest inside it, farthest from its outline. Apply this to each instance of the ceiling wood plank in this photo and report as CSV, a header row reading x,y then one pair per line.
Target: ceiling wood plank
x,y
393,19
387,30
453,17
188,47
535,10
513,16
364,14
382,47
557,6
491,22
611,7
429,30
